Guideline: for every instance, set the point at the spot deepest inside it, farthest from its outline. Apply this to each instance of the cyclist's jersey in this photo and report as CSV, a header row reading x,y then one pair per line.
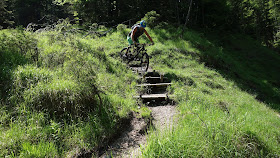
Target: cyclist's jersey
x,y
138,32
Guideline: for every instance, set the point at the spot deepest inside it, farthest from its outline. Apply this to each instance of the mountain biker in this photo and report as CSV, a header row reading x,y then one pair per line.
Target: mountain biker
x,y
136,31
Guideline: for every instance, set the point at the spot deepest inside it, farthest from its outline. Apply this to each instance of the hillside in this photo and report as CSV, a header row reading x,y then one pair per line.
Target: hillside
x,y
64,91
227,91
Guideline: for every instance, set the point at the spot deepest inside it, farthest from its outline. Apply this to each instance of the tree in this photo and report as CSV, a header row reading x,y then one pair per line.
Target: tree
x,y
27,11
5,15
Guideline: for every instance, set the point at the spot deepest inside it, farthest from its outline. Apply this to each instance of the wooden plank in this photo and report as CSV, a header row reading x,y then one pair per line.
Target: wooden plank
x,y
150,77
156,84
152,96
161,78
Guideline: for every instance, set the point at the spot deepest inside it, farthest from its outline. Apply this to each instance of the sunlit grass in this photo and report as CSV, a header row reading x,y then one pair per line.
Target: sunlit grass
x,y
217,118
72,96
56,111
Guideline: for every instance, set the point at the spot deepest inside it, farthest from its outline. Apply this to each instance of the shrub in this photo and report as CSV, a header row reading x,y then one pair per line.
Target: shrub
x,y
19,41
28,75
277,41
61,98
16,48
121,27
94,26
152,19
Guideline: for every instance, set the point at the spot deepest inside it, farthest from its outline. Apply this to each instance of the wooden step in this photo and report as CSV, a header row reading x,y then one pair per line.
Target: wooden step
x,y
150,77
152,96
138,71
159,78
153,80
152,74
156,84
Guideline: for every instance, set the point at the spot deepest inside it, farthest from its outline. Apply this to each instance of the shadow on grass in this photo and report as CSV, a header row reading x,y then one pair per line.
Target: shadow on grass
x,y
188,80
9,62
253,67
253,146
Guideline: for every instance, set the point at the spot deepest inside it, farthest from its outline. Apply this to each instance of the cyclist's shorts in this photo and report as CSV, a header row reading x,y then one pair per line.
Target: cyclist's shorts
x,y
130,40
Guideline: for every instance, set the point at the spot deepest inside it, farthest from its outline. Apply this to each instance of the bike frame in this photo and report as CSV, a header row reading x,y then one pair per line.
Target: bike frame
x,y
137,49
138,54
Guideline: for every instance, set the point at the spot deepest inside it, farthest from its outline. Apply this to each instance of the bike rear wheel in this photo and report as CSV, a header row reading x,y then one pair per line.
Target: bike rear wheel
x,y
144,62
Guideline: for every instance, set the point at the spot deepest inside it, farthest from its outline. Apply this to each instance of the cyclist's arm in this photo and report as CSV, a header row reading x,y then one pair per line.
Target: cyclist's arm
x,y
150,38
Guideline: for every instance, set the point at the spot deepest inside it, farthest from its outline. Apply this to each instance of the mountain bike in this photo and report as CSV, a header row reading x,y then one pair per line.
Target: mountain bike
x,y
136,56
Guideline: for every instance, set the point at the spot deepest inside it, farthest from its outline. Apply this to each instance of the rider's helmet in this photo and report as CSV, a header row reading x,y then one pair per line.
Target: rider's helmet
x,y
143,23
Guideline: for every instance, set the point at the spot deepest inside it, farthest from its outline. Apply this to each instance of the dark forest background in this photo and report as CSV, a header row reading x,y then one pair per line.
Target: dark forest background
x,y
258,18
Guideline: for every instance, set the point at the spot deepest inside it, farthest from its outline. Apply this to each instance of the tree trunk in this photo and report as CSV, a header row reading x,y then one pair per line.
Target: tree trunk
x,y
187,18
178,17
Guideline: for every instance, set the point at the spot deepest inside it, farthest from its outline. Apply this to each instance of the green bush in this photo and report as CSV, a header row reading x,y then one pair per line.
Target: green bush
x,y
16,48
152,19
19,41
277,41
121,27
28,75
61,98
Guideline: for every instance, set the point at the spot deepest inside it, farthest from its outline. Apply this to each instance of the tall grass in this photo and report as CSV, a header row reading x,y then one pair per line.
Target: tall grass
x,y
217,117
64,93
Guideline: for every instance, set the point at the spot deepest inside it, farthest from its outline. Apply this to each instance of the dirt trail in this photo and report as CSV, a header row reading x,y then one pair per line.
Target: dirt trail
x,y
163,116
128,144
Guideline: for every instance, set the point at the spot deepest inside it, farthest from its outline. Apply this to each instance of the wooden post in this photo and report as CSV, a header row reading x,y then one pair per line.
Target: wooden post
x,y
144,77
161,78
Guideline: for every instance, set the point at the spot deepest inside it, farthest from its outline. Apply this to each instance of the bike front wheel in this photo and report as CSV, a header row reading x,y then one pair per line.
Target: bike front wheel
x,y
122,54
145,62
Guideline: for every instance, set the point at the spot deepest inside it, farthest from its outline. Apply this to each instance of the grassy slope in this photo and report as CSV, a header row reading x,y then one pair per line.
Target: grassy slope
x,y
52,108
219,116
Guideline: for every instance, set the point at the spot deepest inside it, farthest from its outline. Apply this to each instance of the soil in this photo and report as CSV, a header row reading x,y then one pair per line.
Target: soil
x,y
164,116
129,143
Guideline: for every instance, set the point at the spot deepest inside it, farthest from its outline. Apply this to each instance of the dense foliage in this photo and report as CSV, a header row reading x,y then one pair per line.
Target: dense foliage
x,y
258,18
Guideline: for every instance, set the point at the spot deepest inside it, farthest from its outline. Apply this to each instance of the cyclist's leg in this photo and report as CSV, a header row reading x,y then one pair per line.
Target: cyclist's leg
x,y
130,42
137,42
